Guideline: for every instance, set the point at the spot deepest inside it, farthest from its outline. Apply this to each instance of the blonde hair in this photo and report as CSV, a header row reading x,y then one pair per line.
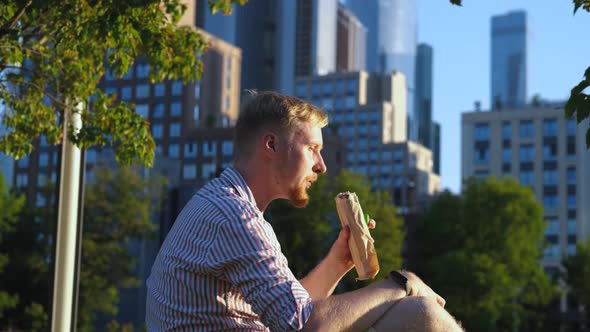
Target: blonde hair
x,y
270,110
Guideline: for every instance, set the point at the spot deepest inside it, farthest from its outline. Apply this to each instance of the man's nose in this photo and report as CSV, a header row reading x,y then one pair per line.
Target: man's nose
x,y
320,165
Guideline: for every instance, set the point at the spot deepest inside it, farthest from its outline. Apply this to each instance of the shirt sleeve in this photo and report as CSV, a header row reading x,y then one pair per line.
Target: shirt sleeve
x,y
252,260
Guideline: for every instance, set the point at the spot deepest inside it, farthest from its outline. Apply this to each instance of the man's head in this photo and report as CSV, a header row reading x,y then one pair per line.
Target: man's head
x,y
284,134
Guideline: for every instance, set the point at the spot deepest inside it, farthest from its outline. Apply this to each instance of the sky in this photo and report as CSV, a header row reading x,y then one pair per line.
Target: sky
x,y
460,37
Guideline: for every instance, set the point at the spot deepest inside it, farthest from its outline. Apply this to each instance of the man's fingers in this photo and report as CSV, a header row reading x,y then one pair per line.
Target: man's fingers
x,y
372,224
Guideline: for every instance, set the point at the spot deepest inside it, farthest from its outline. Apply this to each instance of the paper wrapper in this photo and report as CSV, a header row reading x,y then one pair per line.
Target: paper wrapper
x,y
360,242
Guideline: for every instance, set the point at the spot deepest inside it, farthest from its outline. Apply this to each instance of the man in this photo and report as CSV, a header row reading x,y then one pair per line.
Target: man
x,y
221,267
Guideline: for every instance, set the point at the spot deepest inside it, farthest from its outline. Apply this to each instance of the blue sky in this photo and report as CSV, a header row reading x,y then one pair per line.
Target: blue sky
x,y
460,37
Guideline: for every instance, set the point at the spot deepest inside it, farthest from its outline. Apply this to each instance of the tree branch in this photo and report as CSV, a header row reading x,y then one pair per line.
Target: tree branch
x,y
6,28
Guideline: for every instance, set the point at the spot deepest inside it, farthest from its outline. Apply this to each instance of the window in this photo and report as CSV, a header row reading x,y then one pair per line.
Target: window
x,y
506,154
189,171
22,180
552,227
339,87
550,176
158,111
549,151
572,227
143,110
43,159
176,109
157,131
526,129
549,128
571,200
126,93
176,88
174,130
197,90
571,127
196,114
190,150
316,89
174,151
550,201
129,74
159,89
571,175
328,88
227,148
481,155
226,103
352,86
571,249
350,102
143,70
526,178
209,148
142,91
481,132
571,149
90,156
506,130
301,90
552,251
527,153
207,170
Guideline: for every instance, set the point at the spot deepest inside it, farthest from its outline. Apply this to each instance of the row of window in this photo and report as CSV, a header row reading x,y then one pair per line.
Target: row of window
x,y
144,90
526,153
526,129
158,110
340,86
552,250
552,228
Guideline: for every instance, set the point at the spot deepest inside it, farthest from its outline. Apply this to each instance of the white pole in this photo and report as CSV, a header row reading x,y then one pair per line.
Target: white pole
x,y
67,227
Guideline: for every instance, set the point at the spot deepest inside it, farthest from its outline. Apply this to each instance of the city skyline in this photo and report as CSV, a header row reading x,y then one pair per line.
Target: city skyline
x,y
460,37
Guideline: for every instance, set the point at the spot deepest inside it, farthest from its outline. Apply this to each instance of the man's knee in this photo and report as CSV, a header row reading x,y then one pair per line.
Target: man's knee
x,y
429,314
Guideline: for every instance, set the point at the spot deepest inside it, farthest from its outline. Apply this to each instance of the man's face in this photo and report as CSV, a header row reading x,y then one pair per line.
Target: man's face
x,y
301,163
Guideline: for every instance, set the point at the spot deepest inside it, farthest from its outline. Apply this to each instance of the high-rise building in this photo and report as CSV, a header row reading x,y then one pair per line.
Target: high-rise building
x,y
510,37
368,111
427,130
315,37
391,42
544,151
351,43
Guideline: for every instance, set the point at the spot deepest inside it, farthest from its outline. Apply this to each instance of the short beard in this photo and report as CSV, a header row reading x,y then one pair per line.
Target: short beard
x,y
299,197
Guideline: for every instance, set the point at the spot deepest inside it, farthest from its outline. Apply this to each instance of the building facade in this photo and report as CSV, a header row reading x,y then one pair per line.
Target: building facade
x,y
391,42
351,42
368,112
542,150
510,44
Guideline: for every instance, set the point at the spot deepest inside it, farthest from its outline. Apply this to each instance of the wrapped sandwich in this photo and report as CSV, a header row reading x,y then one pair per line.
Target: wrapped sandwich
x,y
360,242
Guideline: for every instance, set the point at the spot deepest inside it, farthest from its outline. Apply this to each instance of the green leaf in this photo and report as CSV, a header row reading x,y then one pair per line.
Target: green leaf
x,y
456,2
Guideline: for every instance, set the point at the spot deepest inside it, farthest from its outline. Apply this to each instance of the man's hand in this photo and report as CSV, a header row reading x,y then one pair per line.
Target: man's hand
x,y
339,254
419,288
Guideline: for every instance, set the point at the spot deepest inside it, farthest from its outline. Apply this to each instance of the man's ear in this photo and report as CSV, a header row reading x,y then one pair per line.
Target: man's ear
x,y
271,142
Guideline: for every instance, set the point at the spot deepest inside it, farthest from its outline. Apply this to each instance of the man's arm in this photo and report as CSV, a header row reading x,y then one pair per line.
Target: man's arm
x,y
322,280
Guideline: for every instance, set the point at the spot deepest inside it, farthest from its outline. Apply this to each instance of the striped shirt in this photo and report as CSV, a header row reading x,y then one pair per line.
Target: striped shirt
x,y
221,268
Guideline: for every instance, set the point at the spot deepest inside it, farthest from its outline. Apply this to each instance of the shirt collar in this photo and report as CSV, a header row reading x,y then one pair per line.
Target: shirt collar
x,y
231,175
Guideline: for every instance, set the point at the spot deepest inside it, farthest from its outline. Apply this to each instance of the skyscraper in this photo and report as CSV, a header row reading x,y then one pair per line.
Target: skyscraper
x,y
391,41
351,46
510,38
428,131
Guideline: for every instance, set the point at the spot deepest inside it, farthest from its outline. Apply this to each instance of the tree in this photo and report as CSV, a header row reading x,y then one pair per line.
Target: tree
x,y
118,207
10,207
307,234
578,104
55,52
577,274
481,249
